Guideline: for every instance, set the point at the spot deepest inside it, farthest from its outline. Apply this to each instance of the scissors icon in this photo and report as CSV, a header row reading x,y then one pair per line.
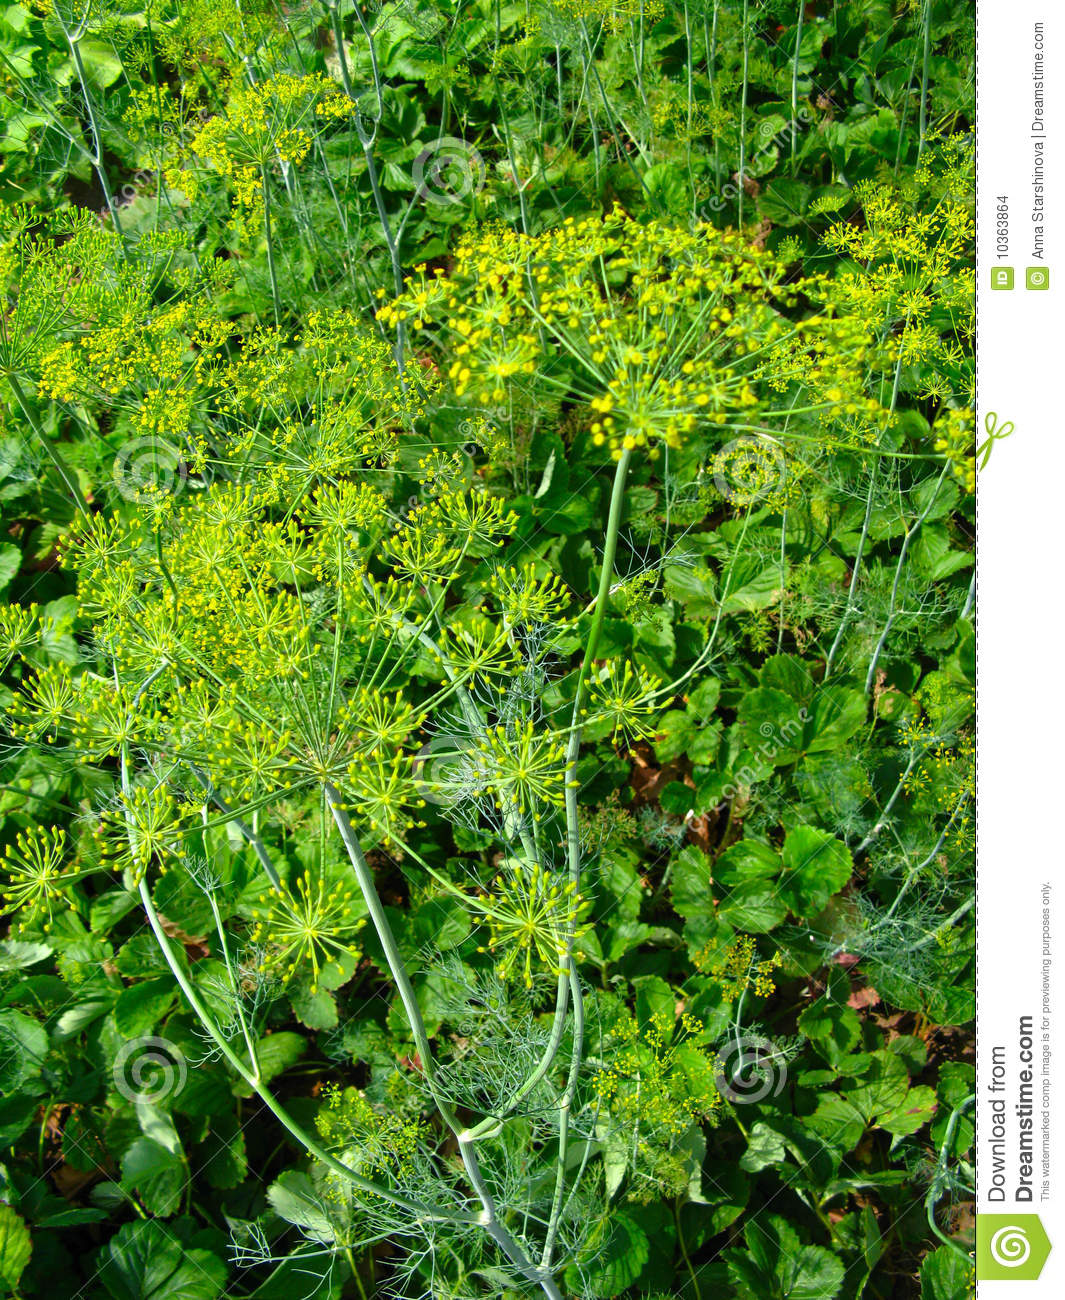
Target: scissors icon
x,y
994,433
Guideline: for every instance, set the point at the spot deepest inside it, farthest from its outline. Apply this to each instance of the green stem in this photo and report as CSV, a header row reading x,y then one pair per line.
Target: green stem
x,y
795,80
488,1217
268,224
743,115
64,470
936,1188
305,1140
684,1253
926,51
911,533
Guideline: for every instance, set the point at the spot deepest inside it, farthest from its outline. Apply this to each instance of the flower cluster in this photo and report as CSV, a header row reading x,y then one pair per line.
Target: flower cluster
x,y
37,875
665,334
374,1140
271,123
738,968
310,926
656,1082
954,434
533,916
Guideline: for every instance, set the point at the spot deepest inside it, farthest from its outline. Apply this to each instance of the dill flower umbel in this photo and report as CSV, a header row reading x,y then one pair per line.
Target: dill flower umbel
x,y
624,697
533,915
738,968
36,875
272,122
668,336
375,1139
654,1081
309,926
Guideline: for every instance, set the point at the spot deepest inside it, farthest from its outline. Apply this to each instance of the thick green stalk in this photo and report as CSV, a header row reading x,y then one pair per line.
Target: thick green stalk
x,y
488,1218
795,80
864,534
253,1081
606,579
743,114
268,225
926,52
366,140
65,472
936,1188
911,533
73,40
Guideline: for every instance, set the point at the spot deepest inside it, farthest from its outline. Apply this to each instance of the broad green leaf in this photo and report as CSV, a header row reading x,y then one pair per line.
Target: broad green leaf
x,y
294,1199
772,725
755,906
790,674
833,1026
764,1147
816,866
103,67
275,1053
145,1261
746,860
915,1112
317,1009
16,1246
812,1273
836,713
23,1047
945,1275
838,1121
223,1153
883,1089
17,954
141,1006
690,889
675,732
618,1261
10,563
155,1174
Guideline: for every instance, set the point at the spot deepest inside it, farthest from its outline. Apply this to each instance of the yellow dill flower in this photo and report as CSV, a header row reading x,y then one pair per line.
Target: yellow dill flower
x,y
738,968
36,875
533,915
625,699
302,930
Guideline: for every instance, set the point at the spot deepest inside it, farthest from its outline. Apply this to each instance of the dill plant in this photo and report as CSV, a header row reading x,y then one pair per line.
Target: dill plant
x,y
284,638
274,651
